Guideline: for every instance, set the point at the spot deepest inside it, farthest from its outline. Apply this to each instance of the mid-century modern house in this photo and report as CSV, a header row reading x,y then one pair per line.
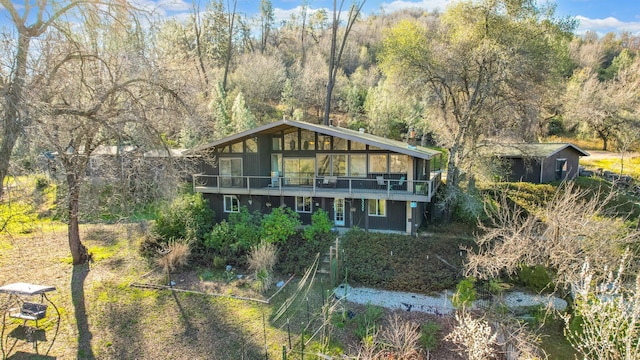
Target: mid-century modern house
x,y
360,179
540,163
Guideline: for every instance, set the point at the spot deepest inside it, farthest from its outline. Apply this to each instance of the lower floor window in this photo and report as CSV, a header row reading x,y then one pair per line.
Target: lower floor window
x,y
231,204
303,204
378,207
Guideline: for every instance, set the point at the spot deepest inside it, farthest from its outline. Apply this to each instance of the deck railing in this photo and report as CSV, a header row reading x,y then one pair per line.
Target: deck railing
x,y
317,184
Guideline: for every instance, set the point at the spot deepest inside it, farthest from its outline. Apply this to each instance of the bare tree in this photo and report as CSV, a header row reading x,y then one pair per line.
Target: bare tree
x,y
337,48
573,225
97,93
30,21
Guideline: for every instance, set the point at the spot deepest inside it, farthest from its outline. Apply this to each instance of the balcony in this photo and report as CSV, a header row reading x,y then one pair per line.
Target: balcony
x,y
320,186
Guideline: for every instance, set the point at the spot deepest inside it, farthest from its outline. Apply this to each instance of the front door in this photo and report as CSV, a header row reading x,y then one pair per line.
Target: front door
x,y
338,213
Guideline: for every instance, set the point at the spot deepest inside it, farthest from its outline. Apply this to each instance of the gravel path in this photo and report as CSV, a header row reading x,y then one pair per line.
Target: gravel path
x,y
438,305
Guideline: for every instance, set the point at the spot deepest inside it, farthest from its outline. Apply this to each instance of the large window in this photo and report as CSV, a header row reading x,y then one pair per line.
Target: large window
x,y
299,171
231,204
303,204
332,165
377,207
231,172
378,163
398,163
358,165
339,165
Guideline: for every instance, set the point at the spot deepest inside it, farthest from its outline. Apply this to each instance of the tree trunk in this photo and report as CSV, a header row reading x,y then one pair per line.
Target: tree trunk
x,y
13,122
227,62
79,252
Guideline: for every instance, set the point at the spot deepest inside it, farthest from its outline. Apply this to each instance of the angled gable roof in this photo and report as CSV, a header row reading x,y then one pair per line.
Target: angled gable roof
x,y
368,139
532,150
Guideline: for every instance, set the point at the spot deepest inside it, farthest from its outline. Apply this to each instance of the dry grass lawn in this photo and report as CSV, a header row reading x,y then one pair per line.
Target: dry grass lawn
x,y
103,317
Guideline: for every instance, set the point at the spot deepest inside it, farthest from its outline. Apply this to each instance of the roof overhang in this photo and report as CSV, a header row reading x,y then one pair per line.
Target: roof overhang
x,y
348,134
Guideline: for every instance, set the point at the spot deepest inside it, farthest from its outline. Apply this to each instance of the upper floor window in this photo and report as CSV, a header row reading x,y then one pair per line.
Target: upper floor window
x,y
358,146
332,164
324,142
398,163
357,165
378,163
291,140
276,143
251,145
339,144
237,147
307,140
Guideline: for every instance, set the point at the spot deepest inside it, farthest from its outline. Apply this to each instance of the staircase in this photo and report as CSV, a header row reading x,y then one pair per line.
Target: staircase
x,y
325,263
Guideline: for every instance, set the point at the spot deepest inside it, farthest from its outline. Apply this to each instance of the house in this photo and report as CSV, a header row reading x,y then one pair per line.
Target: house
x,y
539,163
360,179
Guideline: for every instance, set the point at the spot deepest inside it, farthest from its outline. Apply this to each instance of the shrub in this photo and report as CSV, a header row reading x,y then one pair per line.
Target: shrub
x,y
263,256
320,224
245,228
219,262
367,323
465,293
220,238
401,338
535,278
174,256
430,335
150,245
279,225
298,254
41,183
188,217
400,262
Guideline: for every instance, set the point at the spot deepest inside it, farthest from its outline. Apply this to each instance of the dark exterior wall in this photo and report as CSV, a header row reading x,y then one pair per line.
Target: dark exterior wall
x,y
549,165
527,170
396,218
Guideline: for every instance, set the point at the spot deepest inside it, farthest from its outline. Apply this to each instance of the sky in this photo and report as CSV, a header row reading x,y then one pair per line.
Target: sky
x,y
601,16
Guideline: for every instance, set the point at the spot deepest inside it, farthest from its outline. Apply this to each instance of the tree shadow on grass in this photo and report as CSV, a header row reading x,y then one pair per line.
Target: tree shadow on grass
x,y
78,277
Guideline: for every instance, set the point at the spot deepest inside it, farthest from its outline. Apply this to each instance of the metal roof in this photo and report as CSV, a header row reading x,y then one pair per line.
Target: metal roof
x,y
542,150
348,134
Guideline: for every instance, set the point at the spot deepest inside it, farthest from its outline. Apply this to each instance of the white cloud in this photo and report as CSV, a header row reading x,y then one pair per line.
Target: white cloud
x,y
429,5
609,24
174,5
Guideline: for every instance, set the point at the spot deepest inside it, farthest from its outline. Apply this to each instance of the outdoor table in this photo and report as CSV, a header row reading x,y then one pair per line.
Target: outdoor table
x,y
26,311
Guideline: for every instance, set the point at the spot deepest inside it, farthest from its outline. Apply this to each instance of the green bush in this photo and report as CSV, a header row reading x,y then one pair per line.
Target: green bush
x,y
535,278
430,335
465,293
188,217
367,323
320,224
278,226
245,228
298,253
400,262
